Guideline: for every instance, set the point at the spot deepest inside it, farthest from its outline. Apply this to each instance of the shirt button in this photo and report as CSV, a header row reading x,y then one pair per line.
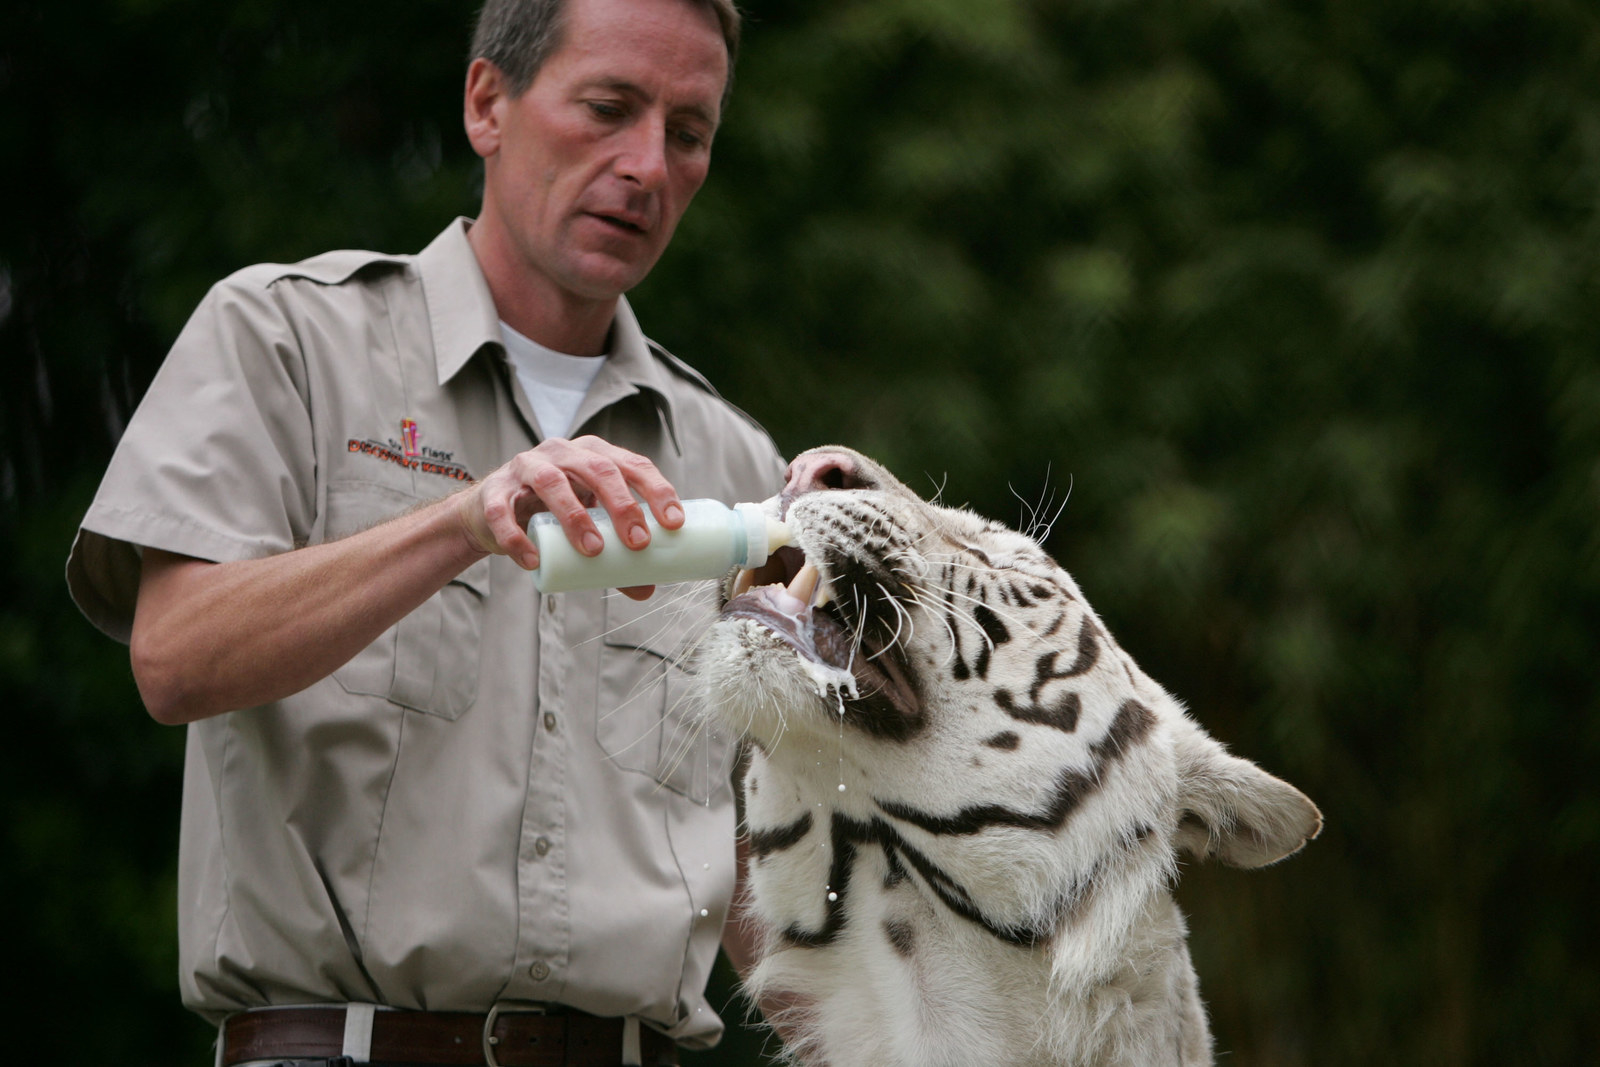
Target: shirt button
x,y
549,720
540,970
550,604
542,845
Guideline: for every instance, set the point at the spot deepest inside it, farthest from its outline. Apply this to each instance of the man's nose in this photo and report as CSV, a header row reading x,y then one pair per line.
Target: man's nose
x,y
644,156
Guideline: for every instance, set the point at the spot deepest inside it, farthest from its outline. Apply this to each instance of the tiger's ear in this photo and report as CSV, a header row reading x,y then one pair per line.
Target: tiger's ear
x,y
1234,810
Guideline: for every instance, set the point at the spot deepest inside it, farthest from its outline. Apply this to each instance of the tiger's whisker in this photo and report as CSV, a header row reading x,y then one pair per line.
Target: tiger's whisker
x,y
900,615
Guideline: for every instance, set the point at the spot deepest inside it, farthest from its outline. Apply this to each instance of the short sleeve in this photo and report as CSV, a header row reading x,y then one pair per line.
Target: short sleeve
x,y
218,462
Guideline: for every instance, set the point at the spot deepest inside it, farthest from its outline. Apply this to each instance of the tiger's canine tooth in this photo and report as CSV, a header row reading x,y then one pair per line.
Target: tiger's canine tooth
x,y
804,583
742,582
824,594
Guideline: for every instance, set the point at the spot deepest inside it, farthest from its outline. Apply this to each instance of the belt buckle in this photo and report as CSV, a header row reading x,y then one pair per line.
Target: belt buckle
x,y
490,1041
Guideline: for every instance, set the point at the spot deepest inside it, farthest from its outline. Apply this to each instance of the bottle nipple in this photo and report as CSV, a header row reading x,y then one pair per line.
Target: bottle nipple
x,y
777,535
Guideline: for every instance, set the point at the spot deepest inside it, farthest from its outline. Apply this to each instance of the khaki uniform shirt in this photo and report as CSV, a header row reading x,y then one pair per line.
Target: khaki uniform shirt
x,y
505,798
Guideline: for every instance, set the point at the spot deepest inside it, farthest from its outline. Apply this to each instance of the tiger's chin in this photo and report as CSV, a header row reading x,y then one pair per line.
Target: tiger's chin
x,y
765,686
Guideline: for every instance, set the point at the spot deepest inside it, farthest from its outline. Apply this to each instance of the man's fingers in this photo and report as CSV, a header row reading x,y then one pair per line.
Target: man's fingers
x,y
627,473
565,478
604,469
498,511
484,522
554,487
510,496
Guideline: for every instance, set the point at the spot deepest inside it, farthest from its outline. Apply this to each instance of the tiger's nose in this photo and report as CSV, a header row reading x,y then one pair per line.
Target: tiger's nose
x,y
818,469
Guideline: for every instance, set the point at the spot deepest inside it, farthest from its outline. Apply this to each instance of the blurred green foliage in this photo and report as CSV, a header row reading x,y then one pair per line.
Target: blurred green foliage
x,y
1289,303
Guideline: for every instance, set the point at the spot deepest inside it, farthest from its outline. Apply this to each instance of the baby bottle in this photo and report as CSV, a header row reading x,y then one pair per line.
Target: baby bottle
x,y
713,539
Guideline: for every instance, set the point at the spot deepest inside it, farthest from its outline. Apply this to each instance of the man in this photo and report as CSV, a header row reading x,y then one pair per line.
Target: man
x,y
466,823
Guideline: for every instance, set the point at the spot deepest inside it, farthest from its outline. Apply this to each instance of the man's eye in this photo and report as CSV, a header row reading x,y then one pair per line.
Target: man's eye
x,y
605,110
689,138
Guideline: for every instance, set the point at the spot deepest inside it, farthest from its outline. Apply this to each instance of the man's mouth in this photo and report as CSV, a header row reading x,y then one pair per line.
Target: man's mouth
x,y
634,224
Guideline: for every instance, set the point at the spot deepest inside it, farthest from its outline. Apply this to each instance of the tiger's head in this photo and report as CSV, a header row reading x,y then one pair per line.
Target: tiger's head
x,y
950,752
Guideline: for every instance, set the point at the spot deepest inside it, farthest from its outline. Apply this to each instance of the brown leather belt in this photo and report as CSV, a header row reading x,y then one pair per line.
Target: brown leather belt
x,y
513,1038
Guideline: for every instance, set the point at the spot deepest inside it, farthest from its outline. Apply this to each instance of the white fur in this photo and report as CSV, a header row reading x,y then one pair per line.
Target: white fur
x,y
1109,979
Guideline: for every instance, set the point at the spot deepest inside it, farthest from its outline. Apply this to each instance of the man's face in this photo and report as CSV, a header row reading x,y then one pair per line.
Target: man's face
x,y
597,161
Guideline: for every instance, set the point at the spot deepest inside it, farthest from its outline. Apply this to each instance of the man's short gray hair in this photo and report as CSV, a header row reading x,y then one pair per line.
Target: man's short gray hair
x,y
519,35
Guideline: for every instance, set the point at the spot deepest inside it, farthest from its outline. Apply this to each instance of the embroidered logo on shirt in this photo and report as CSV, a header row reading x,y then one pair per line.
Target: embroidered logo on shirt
x,y
408,434
424,460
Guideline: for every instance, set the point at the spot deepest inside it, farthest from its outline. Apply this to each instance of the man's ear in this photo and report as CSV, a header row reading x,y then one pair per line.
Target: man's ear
x,y
1235,811
486,88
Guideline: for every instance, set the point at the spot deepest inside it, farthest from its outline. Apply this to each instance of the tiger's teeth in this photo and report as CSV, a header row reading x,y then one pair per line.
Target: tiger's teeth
x,y
742,582
804,584
824,594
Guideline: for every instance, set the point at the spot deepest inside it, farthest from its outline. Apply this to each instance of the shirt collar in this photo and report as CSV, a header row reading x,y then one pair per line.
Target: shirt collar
x,y
460,307
462,315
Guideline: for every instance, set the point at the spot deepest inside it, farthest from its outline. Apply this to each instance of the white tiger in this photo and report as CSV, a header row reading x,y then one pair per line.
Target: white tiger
x,y
964,801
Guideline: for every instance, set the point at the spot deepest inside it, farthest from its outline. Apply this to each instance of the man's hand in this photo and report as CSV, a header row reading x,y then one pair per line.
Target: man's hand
x,y
566,478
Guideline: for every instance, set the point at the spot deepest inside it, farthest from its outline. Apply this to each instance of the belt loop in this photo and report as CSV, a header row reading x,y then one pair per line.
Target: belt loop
x,y
631,1056
358,1032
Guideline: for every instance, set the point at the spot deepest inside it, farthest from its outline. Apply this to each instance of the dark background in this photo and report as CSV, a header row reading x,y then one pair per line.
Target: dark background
x,y
1297,300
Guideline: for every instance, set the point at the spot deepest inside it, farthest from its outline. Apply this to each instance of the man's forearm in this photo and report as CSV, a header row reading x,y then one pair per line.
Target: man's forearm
x,y
213,637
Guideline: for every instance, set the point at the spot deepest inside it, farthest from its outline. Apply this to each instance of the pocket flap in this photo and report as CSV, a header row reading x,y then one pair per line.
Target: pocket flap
x,y
476,577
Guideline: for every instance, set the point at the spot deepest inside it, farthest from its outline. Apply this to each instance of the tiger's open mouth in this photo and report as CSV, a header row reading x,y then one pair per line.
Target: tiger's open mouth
x,y
831,622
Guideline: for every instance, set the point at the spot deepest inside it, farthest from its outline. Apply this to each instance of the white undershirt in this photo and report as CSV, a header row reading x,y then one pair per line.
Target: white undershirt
x,y
554,382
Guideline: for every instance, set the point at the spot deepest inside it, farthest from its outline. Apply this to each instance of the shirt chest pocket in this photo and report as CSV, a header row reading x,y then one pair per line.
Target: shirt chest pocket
x,y
649,718
428,661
